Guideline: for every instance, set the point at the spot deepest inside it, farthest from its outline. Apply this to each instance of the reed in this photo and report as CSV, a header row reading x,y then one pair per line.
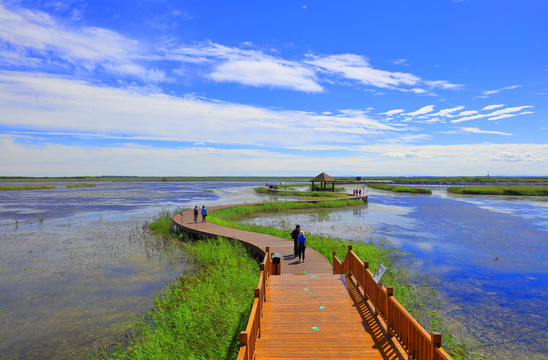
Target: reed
x,y
501,190
397,188
200,316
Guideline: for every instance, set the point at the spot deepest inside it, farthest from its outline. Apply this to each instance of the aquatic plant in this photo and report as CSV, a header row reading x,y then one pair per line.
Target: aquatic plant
x,y
501,190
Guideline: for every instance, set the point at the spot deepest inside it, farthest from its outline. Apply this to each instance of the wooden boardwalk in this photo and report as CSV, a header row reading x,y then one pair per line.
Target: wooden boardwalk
x,y
307,312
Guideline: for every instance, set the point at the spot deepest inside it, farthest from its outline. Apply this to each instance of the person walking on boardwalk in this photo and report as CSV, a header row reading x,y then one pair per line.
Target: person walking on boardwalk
x,y
196,213
301,240
294,235
204,214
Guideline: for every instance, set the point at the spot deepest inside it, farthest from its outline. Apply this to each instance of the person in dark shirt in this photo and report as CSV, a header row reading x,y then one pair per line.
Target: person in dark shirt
x,y
294,235
301,245
196,213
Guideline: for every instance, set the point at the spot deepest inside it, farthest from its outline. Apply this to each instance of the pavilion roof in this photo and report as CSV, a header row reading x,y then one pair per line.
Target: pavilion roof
x,y
323,177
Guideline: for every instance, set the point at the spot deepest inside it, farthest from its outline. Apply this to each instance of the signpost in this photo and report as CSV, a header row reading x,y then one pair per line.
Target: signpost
x,y
379,273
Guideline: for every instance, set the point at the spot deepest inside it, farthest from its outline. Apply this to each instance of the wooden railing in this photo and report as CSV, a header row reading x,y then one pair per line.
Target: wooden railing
x,y
248,338
414,339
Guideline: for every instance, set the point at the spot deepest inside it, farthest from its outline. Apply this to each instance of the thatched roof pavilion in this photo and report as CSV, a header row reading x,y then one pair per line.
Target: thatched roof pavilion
x,y
323,179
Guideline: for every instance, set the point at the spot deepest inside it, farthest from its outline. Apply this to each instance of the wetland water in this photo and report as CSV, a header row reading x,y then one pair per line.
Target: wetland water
x,y
502,304
68,283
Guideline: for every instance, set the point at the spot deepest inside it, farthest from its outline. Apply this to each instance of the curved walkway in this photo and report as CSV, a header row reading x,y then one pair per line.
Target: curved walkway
x,y
314,263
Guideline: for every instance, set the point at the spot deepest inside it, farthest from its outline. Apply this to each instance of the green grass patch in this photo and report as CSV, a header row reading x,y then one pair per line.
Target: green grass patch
x,y
200,316
81,186
25,187
396,188
315,194
207,191
501,190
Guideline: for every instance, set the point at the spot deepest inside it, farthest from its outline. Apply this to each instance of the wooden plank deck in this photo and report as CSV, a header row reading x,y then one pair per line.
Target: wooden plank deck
x,y
315,317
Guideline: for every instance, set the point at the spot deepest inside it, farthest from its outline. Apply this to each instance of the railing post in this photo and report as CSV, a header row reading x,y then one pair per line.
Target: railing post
x,y
243,342
436,342
389,315
334,253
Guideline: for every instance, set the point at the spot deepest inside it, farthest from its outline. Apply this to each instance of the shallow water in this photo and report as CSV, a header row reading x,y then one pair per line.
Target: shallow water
x,y
69,282
502,304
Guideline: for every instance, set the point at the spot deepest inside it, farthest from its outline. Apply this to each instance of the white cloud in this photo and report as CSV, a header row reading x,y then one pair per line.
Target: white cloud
x,y
423,110
496,91
465,113
392,112
40,40
447,112
356,67
50,103
495,115
267,73
478,131
491,107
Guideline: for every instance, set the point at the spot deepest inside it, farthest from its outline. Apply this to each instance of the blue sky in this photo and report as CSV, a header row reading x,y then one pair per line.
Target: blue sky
x,y
198,88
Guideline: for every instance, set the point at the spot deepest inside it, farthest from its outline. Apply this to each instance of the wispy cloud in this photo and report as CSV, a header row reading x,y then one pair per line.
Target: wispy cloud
x,y
423,110
478,131
392,112
358,68
447,112
495,115
491,107
496,91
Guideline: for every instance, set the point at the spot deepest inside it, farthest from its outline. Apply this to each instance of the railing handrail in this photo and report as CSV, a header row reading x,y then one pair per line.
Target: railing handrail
x,y
248,338
416,341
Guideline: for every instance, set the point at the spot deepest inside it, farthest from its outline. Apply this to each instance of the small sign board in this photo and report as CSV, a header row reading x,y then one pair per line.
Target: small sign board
x,y
379,273
358,178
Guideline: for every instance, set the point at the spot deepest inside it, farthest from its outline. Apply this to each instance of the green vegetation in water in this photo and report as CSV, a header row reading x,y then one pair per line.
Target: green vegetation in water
x,y
81,186
396,188
25,187
201,315
415,293
207,191
501,190
321,194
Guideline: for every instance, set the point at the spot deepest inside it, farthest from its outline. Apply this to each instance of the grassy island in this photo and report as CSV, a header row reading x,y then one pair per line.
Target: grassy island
x,y
81,186
24,187
397,188
501,190
320,194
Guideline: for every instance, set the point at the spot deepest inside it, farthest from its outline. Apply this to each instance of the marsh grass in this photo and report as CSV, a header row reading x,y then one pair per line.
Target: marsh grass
x,y
81,186
501,190
25,187
200,316
397,188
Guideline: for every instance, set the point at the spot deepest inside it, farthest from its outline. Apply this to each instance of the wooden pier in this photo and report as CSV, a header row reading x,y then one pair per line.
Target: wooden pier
x,y
315,311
